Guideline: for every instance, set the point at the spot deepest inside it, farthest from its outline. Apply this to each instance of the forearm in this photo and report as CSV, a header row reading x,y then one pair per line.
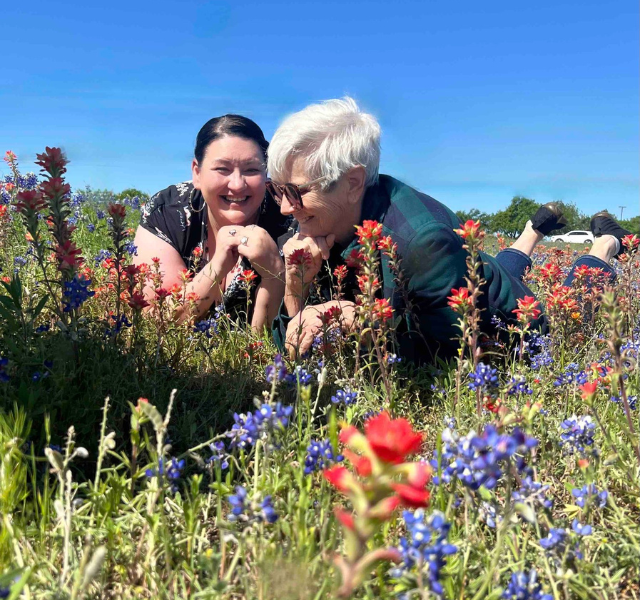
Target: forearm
x,y
294,298
207,285
268,298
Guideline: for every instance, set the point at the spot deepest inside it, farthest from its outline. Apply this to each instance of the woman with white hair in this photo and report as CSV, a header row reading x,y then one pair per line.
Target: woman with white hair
x,y
323,162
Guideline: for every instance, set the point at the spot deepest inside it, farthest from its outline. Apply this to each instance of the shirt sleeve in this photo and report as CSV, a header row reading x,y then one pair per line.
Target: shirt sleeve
x,y
279,327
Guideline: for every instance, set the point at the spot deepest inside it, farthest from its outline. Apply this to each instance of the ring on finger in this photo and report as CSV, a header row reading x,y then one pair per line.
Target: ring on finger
x,y
232,232
244,241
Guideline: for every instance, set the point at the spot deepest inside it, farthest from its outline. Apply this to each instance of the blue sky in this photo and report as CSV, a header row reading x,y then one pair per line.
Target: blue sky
x,y
477,101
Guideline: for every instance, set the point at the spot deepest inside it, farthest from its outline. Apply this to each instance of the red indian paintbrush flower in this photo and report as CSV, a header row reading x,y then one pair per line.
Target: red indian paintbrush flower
x,y
55,187
30,200
382,309
137,301
471,229
340,272
247,276
369,230
589,389
527,309
337,476
69,256
299,258
459,298
53,161
410,496
116,211
392,440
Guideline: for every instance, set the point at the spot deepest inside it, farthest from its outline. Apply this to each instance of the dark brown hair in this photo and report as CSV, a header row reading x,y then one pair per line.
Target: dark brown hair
x,y
234,125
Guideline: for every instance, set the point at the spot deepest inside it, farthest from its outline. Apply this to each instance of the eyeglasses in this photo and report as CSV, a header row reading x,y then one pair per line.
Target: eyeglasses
x,y
292,191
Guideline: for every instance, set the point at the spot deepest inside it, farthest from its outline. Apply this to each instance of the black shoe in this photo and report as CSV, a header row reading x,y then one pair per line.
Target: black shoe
x,y
548,218
603,223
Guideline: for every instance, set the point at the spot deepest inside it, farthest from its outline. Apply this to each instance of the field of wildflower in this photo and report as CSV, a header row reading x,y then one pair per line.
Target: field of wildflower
x,y
142,457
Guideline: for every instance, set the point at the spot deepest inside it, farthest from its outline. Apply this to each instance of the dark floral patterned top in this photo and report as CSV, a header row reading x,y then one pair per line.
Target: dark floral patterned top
x,y
177,216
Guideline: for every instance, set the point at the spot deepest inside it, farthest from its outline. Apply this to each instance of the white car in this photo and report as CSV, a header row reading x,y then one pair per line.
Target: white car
x,y
574,237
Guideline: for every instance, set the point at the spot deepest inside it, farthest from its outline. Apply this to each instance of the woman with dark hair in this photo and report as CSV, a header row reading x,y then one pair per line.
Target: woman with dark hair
x,y
220,223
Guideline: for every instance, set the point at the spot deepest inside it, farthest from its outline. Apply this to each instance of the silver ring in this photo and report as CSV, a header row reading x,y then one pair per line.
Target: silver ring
x,y
232,232
244,240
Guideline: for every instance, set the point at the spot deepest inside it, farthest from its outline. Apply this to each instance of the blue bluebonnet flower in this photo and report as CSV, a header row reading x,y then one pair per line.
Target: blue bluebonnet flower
x,y
133,202
532,493
581,529
571,374
277,370
207,327
272,418
477,460
238,503
450,422
91,227
589,494
171,470
632,400
115,325
267,512
43,328
100,214
425,547
327,340
4,377
525,586
131,248
393,359
76,199
539,349
102,256
219,455
484,378
555,540
345,396
38,375
497,322
73,220
244,510
245,431
19,261
320,455
578,434
489,514
299,376
249,428
5,196
76,292
518,385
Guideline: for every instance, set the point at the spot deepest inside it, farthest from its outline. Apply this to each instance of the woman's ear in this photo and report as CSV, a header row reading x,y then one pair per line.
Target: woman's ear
x,y
195,174
355,179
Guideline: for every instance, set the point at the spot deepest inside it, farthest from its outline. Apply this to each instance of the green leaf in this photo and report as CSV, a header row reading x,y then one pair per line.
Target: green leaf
x,y
526,512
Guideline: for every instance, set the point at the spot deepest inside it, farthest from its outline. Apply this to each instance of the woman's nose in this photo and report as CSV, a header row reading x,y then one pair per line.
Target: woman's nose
x,y
236,181
286,208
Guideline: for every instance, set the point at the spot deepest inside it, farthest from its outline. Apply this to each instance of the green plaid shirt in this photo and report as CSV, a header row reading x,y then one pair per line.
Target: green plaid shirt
x,y
433,262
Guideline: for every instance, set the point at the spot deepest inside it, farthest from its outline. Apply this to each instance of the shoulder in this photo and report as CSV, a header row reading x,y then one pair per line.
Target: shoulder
x,y
173,198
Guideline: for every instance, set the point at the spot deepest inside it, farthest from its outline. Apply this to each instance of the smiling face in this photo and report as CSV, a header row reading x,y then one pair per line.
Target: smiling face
x,y
335,211
232,178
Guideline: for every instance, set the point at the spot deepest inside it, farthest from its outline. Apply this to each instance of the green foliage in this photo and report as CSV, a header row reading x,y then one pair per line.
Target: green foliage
x,y
632,224
132,193
477,215
512,220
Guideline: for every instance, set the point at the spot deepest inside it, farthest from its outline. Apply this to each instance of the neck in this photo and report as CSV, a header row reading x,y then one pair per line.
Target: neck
x,y
347,232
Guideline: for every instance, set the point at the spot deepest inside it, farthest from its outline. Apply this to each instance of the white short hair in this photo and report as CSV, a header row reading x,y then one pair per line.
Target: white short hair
x,y
333,137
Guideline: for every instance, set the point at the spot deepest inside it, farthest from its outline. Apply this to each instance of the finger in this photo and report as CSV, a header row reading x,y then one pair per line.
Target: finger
x,y
312,247
323,246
